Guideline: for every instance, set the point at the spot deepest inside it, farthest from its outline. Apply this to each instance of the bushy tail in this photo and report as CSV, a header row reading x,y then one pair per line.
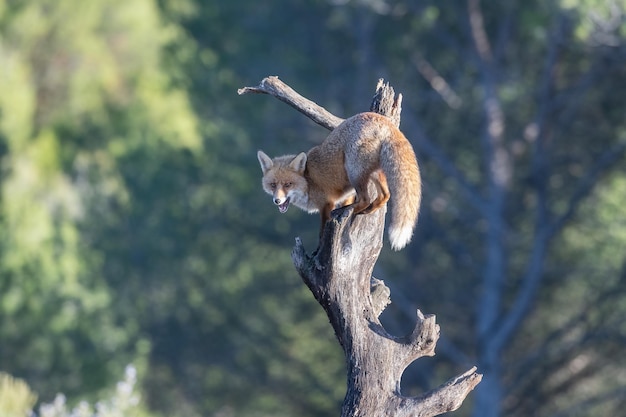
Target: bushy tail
x,y
399,164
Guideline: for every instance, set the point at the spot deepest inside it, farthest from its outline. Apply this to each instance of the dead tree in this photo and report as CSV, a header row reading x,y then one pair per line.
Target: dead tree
x,y
339,274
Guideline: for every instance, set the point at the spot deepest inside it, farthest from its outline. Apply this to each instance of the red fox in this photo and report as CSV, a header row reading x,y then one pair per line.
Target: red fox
x,y
366,147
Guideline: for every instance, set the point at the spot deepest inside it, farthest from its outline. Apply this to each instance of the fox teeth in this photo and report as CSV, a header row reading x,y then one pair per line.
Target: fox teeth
x,y
283,207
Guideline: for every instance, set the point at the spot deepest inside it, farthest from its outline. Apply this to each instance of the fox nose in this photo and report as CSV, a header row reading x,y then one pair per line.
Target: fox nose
x,y
278,201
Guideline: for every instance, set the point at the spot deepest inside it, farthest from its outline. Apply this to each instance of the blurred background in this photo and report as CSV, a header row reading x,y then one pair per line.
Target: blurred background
x,y
134,230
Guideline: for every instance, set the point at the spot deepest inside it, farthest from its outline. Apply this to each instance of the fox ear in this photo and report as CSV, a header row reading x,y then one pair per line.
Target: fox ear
x,y
265,161
299,162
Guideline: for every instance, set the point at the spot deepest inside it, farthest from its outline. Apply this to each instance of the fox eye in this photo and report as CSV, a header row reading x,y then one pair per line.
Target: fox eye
x,y
273,186
287,185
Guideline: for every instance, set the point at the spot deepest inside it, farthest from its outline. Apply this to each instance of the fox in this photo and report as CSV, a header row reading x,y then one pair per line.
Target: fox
x,y
365,148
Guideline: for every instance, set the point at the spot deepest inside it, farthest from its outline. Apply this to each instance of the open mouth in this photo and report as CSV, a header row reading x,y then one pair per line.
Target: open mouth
x,y
284,206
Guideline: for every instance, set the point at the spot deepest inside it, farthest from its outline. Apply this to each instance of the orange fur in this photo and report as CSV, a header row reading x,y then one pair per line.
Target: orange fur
x,y
366,147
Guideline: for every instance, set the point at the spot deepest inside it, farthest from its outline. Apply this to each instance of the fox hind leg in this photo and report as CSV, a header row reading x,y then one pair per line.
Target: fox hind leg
x,y
382,192
362,197
360,175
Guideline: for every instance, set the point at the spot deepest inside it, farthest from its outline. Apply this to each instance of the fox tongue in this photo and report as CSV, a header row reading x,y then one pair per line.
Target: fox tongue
x,y
283,207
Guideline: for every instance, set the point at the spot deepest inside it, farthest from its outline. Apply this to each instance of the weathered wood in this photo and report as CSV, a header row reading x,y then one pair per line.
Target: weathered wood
x,y
386,102
275,87
339,274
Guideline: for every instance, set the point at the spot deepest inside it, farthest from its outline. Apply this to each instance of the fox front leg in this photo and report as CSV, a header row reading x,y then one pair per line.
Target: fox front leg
x,y
325,216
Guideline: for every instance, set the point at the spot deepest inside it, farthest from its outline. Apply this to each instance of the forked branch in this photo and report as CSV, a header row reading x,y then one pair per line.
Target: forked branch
x,y
339,274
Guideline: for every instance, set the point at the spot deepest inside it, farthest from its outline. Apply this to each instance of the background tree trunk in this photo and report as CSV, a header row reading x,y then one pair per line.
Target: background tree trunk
x,y
339,274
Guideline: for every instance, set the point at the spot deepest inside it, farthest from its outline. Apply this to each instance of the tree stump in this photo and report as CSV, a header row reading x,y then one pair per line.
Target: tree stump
x,y
339,274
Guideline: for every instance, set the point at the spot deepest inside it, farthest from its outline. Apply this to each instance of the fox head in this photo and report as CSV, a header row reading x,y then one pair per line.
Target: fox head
x,y
283,178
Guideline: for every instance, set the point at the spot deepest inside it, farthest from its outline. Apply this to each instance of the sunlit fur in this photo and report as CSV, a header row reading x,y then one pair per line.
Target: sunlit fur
x,y
364,148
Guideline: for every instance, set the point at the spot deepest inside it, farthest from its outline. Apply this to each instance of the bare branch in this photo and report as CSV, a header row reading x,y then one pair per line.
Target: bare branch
x,y
443,399
445,345
274,87
499,174
545,227
339,274
437,82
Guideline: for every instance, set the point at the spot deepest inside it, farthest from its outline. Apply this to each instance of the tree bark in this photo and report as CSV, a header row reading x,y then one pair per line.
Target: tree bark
x,y
339,274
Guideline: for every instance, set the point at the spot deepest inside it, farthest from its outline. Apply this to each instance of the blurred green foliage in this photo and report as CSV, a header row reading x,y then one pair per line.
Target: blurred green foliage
x,y
16,398
134,228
